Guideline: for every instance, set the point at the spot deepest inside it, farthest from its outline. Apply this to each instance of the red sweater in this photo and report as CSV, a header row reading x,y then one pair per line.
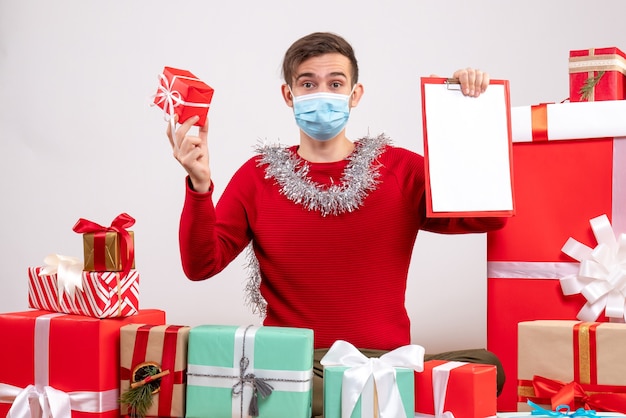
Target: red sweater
x,y
344,276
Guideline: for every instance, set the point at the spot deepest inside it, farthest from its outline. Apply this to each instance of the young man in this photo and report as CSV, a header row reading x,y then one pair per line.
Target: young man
x,y
332,221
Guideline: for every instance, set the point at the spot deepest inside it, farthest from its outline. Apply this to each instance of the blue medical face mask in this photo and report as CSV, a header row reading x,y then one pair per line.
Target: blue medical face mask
x,y
322,115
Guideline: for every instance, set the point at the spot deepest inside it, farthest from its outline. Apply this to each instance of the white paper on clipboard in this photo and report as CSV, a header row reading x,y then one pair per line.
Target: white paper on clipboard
x,y
467,150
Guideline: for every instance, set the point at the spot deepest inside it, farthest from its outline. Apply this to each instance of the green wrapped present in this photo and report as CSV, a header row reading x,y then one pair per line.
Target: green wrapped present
x,y
249,371
356,386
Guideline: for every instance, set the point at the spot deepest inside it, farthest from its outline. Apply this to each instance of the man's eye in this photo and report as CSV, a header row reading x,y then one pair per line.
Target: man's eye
x,y
336,85
307,85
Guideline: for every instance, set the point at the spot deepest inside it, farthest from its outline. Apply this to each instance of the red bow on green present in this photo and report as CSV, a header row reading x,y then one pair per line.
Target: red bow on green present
x,y
574,395
119,225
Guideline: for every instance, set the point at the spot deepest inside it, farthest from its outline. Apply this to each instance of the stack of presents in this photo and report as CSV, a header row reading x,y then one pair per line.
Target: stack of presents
x,y
557,270
556,301
86,349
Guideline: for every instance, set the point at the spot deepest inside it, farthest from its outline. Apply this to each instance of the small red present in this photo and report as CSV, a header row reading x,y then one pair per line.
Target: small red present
x,y
108,248
66,363
467,390
147,351
597,74
182,93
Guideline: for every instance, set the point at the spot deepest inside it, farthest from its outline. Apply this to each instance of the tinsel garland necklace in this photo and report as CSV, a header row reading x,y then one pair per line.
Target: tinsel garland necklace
x,y
359,178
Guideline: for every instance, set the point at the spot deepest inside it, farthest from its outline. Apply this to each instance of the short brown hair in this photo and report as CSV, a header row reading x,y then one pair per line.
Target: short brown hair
x,y
314,45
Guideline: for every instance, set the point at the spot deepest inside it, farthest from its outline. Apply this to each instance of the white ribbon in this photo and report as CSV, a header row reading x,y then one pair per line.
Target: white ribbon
x,y
39,400
69,271
607,62
601,277
440,377
382,370
170,98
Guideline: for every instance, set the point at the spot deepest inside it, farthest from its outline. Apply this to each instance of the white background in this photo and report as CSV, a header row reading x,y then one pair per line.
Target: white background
x,y
79,139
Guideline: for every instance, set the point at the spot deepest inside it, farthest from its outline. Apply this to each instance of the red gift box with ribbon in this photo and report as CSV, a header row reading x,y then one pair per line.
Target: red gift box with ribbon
x,y
597,74
182,93
62,363
466,390
97,294
560,185
108,248
150,350
573,363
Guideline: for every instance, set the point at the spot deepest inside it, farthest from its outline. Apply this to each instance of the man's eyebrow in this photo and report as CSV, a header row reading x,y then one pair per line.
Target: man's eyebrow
x,y
304,75
311,75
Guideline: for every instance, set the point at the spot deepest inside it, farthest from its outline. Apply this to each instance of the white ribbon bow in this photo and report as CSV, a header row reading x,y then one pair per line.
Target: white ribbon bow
x,y
31,402
49,402
382,369
69,271
601,278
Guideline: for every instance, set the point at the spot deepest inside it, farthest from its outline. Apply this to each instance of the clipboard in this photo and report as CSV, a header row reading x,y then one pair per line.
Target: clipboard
x,y
467,150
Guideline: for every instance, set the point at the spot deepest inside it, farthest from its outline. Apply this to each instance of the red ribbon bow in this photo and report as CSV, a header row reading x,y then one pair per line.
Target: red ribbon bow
x,y
574,395
119,225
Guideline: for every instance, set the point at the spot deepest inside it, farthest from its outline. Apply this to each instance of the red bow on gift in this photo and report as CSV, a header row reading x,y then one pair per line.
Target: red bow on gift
x,y
119,225
574,395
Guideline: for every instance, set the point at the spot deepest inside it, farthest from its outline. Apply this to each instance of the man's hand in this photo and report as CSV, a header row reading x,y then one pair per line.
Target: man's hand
x,y
192,152
473,81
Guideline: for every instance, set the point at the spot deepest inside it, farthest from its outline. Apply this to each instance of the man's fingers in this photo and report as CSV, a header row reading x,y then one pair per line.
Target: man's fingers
x,y
485,83
179,135
171,126
203,131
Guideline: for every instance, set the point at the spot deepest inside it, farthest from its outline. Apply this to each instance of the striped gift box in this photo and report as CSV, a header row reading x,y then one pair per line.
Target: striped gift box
x,y
106,294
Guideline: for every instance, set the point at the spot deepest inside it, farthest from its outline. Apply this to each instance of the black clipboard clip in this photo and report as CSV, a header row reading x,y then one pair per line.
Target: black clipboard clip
x,y
453,84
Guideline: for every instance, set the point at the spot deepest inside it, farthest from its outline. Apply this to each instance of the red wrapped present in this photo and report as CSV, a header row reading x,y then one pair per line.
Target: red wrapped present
x,y
597,74
147,351
573,363
182,93
97,294
108,248
467,390
67,364
560,185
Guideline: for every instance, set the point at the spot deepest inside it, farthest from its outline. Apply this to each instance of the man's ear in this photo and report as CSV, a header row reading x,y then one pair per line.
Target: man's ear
x,y
356,94
287,96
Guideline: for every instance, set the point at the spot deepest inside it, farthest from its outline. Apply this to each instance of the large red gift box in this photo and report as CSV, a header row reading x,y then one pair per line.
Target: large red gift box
x,y
182,93
64,361
597,74
559,186
103,294
162,348
467,390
